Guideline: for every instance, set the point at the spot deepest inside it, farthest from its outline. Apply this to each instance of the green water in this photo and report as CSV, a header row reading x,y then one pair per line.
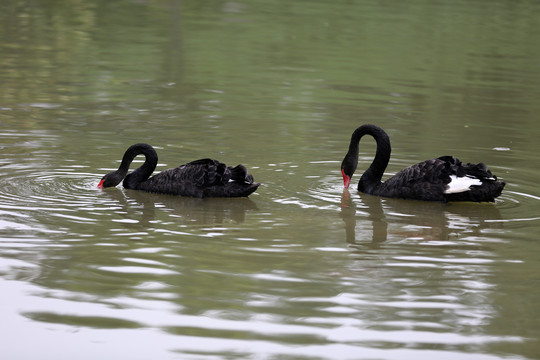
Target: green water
x,y
300,269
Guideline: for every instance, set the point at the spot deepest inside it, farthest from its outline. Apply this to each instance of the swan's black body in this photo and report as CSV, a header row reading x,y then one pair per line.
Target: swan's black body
x,y
200,178
431,180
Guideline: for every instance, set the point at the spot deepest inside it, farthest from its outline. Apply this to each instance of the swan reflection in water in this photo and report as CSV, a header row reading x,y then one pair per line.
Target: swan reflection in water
x,y
146,208
412,219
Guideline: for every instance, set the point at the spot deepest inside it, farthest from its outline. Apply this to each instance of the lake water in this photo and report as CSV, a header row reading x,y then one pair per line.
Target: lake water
x,y
300,269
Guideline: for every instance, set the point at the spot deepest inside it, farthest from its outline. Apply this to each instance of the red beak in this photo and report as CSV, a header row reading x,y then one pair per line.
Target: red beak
x,y
346,179
100,185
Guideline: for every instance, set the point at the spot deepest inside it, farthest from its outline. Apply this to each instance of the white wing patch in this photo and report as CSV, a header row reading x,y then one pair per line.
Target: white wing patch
x,y
461,184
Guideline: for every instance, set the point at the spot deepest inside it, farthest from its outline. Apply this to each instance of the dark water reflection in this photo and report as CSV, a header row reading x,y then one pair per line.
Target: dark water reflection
x,y
426,221
301,269
141,207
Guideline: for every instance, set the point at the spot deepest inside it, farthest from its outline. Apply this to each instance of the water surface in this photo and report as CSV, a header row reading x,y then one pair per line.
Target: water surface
x,y
301,269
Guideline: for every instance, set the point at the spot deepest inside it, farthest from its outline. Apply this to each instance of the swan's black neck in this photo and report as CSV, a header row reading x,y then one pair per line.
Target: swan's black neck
x,y
373,175
144,171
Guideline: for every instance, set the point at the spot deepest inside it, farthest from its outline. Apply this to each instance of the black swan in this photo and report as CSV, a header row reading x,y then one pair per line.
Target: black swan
x,y
199,178
442,179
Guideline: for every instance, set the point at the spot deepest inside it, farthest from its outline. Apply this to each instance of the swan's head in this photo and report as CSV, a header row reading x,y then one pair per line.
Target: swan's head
x,y
348,167
346,179
111,179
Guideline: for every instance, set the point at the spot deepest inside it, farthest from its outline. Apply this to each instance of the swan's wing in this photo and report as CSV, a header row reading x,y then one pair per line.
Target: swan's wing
x,y
436,178
435,171
200,178
208,172
425,180
203,172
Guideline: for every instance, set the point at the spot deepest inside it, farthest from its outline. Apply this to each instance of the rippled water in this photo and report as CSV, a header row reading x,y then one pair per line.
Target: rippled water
x,y
316,272
301,269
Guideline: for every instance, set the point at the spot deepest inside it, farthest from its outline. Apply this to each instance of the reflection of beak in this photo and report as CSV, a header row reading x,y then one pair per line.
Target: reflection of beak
x,y
346,199
346,179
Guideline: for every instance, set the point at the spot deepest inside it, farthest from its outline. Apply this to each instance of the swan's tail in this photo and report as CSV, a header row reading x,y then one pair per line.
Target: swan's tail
x,y
479,171
484,186
239,174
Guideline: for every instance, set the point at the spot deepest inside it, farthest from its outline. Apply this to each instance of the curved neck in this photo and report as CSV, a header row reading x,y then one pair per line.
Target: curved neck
x,y
373,175
144,171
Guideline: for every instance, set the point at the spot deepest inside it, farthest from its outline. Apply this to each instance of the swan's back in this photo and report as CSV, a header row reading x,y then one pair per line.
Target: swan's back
x,y
443,179
423,181
202,178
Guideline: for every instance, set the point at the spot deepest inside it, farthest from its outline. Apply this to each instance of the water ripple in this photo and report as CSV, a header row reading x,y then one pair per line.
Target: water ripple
x,y
69,194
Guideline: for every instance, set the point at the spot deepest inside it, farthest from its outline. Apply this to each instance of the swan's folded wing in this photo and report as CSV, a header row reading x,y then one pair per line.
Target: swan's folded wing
x,y
204,172
425,180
